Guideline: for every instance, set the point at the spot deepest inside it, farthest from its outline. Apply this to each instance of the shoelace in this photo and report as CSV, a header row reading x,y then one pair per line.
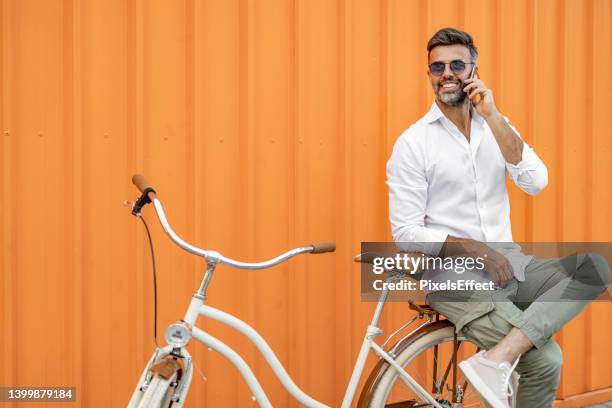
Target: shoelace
x,y
506,387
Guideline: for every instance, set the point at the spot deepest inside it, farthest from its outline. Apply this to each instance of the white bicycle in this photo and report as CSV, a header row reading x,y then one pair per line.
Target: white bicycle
x,y
424,359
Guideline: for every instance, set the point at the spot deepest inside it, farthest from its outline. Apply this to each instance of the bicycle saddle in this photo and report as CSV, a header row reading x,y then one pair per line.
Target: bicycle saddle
x,y
368,257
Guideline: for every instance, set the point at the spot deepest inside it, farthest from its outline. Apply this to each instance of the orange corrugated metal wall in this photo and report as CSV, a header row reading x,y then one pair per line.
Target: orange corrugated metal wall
x,y
264,125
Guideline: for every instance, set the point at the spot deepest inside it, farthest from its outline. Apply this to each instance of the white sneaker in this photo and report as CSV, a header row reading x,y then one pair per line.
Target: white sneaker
x,y
491,380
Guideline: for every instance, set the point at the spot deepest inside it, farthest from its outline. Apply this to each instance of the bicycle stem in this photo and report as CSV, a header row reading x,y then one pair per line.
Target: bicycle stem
x,y
201,293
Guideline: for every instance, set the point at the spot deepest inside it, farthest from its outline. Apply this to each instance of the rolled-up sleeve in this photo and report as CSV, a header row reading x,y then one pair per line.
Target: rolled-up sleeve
x,y
530,174
407,183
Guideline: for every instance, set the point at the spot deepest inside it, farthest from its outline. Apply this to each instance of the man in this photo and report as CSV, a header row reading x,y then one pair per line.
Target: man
x,y
448,195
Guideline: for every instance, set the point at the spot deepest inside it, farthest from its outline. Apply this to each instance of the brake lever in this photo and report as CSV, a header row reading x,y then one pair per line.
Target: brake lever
x,y
141,202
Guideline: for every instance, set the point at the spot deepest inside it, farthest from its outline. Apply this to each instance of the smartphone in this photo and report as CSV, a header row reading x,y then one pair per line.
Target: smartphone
x,y
474,75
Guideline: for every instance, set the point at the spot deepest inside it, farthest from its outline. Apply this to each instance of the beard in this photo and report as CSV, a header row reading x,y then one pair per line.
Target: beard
x,y
456,98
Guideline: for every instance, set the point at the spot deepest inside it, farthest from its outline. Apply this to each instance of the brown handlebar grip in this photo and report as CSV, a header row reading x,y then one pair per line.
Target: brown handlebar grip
x,y
142,183
323,247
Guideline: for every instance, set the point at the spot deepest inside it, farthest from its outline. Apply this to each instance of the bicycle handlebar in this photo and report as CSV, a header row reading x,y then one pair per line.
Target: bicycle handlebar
x,y
212,256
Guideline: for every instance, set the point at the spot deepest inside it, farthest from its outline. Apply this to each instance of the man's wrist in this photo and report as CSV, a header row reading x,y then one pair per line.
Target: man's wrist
x,y
493,116
460,246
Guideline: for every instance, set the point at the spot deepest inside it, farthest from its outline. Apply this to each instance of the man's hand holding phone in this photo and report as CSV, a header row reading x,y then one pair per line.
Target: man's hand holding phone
x,y
480,96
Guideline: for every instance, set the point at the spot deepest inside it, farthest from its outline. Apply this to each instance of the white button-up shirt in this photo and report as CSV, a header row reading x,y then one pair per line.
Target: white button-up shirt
x,y
440,184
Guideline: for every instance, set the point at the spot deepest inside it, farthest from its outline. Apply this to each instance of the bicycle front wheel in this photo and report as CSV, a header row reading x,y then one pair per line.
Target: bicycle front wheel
x,y
430,356
158,393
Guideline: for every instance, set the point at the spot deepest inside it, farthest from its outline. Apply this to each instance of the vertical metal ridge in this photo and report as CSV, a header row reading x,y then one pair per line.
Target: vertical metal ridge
x,y
74,16
195,69
461,16
428,18
497,68
588,120
385,105
559,168
343,311
588,363
529,62
293,116
192,185
424,95
138,75
8,196
191,180
386,114
246,164
4,287
68,192
560,102
131,155
143,61
295,228
190,139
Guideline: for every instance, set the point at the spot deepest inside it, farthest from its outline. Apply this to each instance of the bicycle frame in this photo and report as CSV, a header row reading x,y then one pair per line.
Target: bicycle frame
x,y
198,308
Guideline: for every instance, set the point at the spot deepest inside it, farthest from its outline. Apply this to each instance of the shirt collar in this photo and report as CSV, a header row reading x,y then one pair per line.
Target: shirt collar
x,y
435,113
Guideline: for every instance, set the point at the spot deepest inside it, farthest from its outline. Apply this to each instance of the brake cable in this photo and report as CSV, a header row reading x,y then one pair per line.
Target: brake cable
x,y
154,279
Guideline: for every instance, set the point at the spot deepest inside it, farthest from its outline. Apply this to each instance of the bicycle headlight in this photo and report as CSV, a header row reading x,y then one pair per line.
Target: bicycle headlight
x,y
178,334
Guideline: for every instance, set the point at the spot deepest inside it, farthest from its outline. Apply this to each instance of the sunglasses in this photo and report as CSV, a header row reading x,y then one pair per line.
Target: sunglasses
x,y
457,67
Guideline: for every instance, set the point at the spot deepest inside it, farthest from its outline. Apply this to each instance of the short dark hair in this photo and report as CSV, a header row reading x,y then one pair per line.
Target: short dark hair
x,y
452,36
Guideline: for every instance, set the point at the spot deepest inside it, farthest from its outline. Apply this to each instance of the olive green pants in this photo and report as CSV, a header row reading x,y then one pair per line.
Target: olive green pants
x,y
553,293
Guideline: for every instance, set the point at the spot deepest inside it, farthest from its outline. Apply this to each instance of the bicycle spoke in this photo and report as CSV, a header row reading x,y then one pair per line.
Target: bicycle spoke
x,y
456,345
403,404
450,365
435,370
